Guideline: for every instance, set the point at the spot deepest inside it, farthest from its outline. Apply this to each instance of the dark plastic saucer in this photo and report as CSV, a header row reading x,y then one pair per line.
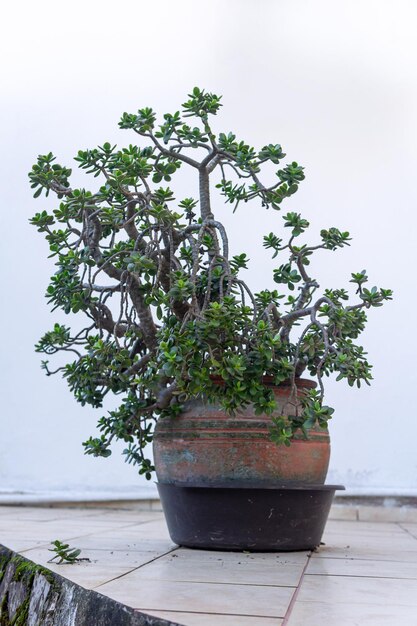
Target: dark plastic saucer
x,y
237,517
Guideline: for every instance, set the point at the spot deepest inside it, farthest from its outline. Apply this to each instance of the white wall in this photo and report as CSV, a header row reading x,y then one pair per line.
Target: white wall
x,y
334,82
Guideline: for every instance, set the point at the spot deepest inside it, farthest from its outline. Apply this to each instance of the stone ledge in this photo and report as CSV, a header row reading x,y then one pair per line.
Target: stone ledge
x,y
31,594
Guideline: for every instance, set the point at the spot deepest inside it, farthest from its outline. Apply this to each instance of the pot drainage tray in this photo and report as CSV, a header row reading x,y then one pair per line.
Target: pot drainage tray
x,y
254,518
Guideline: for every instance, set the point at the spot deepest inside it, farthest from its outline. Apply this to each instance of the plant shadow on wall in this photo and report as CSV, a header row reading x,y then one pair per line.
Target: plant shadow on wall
x,y
169,319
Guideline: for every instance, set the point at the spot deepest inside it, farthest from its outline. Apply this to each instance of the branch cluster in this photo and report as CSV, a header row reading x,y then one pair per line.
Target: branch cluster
x,y
166,308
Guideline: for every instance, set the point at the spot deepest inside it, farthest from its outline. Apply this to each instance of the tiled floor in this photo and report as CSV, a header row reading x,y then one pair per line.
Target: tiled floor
x,y
365,574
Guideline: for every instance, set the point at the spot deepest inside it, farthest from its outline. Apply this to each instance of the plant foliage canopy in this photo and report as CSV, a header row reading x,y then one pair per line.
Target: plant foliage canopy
x,y
166,309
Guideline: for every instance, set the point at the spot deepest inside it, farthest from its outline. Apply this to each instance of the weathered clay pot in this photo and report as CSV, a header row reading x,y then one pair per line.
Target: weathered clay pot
x,y
204,445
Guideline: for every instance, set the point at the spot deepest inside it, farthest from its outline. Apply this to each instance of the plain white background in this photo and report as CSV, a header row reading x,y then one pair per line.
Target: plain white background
x,y
334,82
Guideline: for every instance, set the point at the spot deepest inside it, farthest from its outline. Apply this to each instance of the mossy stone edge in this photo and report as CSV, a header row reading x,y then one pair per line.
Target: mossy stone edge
x,y
32,595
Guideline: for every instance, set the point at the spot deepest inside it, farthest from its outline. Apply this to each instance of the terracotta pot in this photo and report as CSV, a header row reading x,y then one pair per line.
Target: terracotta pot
x,y
204,445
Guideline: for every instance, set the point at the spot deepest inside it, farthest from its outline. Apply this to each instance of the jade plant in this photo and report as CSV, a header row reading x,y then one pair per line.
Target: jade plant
x,y
65,553
166,311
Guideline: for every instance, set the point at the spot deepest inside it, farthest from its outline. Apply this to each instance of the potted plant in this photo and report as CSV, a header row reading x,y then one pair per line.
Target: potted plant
x,y
171,326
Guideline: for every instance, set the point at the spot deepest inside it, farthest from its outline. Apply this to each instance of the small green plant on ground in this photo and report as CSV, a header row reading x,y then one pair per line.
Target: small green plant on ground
x,y
64,553
167,312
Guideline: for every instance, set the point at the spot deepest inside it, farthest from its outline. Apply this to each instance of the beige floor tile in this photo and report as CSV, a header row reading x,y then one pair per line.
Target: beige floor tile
x,y
99,560
132,532
133,505
103,567
264,557
20,545
114,542
47,531
360,541
88,525
343,512
26,534
367,571
20,526
106,516
357,590
199,597
359,567
411,529
124,505
6,509
133,517
346,526
40,535
320,613
375,553
206,619
22,513
249,569
88,576
387,514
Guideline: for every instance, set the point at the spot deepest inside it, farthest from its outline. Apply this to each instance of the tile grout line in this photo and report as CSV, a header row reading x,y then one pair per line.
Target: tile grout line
x,y
296,592
136,568
406,530
216,582
215,613
373,576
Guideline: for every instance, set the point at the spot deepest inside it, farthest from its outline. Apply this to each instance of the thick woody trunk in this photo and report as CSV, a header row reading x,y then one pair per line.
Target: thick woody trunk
x,y
147,323
205,207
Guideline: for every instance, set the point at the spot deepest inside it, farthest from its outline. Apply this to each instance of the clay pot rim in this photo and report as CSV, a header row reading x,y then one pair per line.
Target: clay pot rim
x,y
268,381
252,486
